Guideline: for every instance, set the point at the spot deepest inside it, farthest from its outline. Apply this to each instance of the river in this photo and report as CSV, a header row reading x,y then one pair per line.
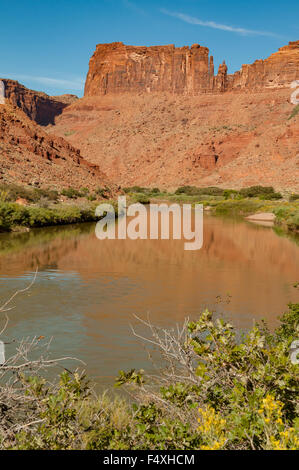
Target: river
x,y
87,291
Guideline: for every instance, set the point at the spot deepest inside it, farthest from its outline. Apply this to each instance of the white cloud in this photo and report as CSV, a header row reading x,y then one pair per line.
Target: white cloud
x,y
212,24
76,84
131,6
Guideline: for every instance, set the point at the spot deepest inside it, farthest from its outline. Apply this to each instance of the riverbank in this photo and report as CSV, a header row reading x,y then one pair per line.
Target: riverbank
x,y
24,207
242,203
48,208
14,217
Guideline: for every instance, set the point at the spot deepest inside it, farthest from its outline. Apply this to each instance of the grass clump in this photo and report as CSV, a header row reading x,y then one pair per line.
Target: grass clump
x,y
288,216
240,207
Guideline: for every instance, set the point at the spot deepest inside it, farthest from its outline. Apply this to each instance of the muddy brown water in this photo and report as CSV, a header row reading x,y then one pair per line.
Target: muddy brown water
x,y
87,291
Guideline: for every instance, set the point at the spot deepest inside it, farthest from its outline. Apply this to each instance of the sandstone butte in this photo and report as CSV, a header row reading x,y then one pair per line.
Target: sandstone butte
x,y
117,68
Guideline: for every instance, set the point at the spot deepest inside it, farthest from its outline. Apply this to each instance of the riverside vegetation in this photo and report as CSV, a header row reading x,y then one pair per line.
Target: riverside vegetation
x,y
243,202
45,207
216,390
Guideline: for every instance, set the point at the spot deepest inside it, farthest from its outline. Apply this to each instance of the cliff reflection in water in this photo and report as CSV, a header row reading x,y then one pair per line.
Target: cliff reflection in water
x,y
88,290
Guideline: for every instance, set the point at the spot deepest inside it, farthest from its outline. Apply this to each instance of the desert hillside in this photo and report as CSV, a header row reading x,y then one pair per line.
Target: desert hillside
x,y
28,155
231,139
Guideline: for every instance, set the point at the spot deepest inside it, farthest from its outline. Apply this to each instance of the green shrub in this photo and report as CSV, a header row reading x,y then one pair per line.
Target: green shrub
x,y
230,194
14,191
294,197
194,191
136,189
238,207
84,191
155,191
40,217
50,194
271,196
101,192
242,391
71,193
12,215
141,198
288,216
257,191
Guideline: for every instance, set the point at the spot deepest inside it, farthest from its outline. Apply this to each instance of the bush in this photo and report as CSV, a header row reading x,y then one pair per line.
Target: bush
x,y
232,393
141,198
194,191
231,194
12,215
103,192
155,191
263,192
238,207
84,192
294,197
71,193
13,192
50,194
137,189
271,196
288,216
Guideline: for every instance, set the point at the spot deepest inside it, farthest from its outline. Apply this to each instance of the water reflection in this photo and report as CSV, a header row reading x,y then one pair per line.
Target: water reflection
x,y
87,290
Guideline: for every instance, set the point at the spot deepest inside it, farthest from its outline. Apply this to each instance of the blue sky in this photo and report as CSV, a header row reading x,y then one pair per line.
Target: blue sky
x,y
47,44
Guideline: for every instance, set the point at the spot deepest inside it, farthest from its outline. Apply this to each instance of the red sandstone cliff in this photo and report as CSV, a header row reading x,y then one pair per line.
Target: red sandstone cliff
x,y
38,106
117,68
278,71
28,154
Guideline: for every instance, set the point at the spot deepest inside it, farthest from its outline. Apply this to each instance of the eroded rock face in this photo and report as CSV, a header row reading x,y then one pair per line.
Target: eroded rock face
x,y
28,153
40,107
117,68
277,71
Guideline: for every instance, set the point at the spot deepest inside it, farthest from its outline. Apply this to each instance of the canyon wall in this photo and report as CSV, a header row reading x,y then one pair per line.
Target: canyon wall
x,y
28,154
117,68
277,71
38,106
